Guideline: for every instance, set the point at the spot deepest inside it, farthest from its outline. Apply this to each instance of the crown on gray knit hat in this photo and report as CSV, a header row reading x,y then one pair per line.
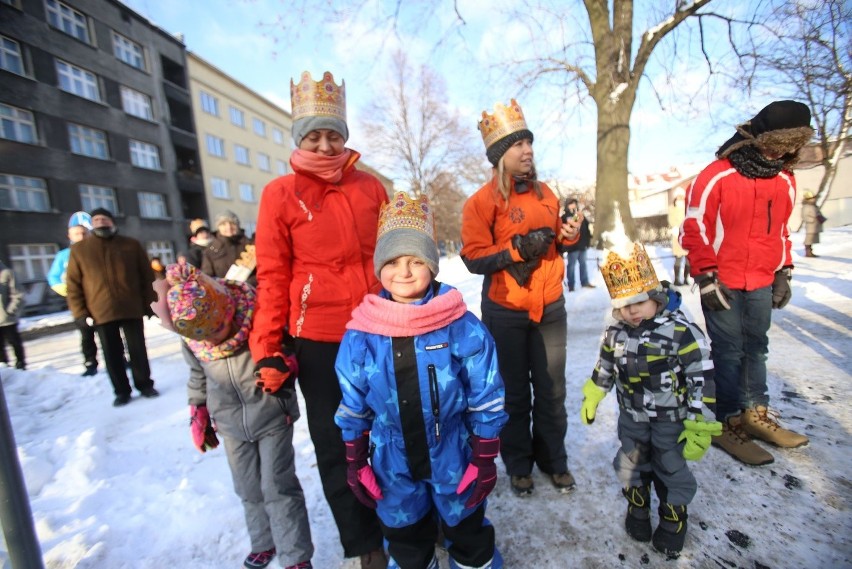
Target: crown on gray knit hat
x,y
406,227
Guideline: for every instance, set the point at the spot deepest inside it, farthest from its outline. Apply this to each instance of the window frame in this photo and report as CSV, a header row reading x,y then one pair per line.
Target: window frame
x,y
259,127
5,56
87,80
209,103
65,18
243,194
128,52
215,145
277,135
282,167
220,188
89,200
18,123
165,250
131,99
237,116
264,163
86,137
242,155
150,154
24,264
152,205
29,190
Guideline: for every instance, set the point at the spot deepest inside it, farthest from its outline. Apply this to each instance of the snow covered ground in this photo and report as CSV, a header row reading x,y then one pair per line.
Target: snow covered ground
x,y
124,488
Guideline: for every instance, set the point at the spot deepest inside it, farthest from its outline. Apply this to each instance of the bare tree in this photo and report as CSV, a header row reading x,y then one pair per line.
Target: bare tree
x,y
427,147
809,57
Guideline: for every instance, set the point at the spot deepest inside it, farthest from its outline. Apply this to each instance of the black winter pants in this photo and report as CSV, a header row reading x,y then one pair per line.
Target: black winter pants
x,y
357,524
88,347
12,334
532,362
113,348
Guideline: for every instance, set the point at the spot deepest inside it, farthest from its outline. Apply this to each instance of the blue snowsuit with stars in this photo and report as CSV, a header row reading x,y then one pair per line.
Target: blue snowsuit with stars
x,y
420,398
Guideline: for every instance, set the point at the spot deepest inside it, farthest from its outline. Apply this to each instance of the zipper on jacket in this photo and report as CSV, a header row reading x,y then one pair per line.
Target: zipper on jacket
x,y
769,217
435,398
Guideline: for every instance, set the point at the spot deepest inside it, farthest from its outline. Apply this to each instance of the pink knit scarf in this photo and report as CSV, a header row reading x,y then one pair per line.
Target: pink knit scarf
x,y
377,315
328,168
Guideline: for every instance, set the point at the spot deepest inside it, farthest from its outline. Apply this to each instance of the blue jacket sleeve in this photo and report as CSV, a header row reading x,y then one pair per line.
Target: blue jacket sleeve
x,y
353,415
56,274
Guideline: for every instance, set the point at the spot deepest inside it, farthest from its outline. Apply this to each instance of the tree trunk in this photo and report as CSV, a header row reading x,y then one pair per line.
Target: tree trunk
x,y
611,191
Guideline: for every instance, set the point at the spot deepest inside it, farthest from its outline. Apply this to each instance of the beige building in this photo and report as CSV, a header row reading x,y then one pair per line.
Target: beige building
x,y
244,141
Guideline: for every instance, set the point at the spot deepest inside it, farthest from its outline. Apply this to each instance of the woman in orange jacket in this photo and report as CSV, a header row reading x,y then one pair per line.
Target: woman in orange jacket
x,y
316,233
511,232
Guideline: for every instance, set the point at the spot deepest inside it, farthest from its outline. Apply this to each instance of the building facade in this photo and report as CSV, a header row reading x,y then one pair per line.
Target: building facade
x,y
96,112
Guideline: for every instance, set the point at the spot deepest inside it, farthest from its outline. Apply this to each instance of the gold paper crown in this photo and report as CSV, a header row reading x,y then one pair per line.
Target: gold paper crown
x,y
318,98
625,278
406,213
502,123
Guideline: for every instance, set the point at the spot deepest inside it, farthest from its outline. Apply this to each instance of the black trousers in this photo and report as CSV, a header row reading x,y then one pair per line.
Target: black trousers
x,y
13,336
532,362
88,347
471,543
357,524
113,348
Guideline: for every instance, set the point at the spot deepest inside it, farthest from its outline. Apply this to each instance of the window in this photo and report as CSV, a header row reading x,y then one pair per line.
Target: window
x,y
78,81
23,194
31,261
136,103
277,136
161,249
209,104
282,167
17,124
259,127
241,155
249,228
98,196
152,205
263,162
68,20
220,188
88,141
215,146
237,117
10,56
144,155
247,193
128,51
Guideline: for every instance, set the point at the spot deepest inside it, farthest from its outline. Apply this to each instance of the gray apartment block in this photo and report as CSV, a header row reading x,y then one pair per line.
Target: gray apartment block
x,y
96,112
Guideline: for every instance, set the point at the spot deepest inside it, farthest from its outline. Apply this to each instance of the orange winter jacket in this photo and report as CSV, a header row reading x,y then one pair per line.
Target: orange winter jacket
x,y
314,244
488,225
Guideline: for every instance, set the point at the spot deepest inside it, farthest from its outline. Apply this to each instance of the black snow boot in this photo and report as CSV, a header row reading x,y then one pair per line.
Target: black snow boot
x,y
671,533
637,523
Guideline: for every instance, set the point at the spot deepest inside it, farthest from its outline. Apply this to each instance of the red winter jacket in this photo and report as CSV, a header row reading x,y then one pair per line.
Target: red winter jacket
x,y
737,226
314,244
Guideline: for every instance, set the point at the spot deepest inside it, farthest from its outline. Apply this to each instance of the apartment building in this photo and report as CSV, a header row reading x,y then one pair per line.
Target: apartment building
x,y
96,112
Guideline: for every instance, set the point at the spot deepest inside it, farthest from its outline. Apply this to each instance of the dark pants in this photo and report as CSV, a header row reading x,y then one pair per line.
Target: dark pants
x,y
113,348
357,524
471,543
11,334
532,363
577,257
88,347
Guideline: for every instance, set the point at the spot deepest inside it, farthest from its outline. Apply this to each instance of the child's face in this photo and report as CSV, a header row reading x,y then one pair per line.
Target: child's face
x,y
633,314
406,278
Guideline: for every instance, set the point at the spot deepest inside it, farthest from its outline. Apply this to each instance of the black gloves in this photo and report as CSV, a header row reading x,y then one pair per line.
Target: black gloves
x,y
522,270
534,244
781,292
714,294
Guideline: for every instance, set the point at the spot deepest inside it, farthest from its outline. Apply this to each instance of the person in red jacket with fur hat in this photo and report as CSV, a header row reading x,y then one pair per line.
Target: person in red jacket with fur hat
x,y
315,237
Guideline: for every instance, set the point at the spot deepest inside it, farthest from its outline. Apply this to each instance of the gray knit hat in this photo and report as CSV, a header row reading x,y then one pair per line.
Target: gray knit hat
x,y
227,216
406,227
303,126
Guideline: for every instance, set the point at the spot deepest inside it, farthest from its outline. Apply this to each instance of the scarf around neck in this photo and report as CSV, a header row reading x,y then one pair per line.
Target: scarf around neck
x,y
377,315
327,168
751,163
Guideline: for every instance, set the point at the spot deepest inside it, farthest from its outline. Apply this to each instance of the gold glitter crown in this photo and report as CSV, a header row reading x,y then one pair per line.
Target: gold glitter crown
x,y
502,123
318,98
405,213
628,277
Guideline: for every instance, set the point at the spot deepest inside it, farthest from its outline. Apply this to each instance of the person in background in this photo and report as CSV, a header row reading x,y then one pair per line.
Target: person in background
x,y
739,250
445,469
109,286
659,361
677,213
813,219
213,318
79,225
510,229
11,305
316,233
199,240
226,247
576,253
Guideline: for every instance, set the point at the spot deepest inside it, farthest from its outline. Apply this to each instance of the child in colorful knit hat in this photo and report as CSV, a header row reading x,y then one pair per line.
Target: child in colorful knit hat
x,y
416,366
660,363
214,317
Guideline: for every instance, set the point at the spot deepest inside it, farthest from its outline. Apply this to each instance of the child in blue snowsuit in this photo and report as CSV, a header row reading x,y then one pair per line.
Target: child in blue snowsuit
x,y
422,393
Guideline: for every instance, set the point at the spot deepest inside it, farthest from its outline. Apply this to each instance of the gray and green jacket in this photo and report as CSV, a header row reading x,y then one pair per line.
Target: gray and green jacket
x,y
661,368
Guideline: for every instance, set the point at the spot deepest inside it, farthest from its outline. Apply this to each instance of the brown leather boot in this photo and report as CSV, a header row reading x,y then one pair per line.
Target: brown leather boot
x,y
374,560
762,423
739,445
809,251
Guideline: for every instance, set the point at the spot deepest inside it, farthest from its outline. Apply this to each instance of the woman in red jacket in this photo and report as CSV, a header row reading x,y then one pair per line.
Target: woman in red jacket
x,y
510,230
316,232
